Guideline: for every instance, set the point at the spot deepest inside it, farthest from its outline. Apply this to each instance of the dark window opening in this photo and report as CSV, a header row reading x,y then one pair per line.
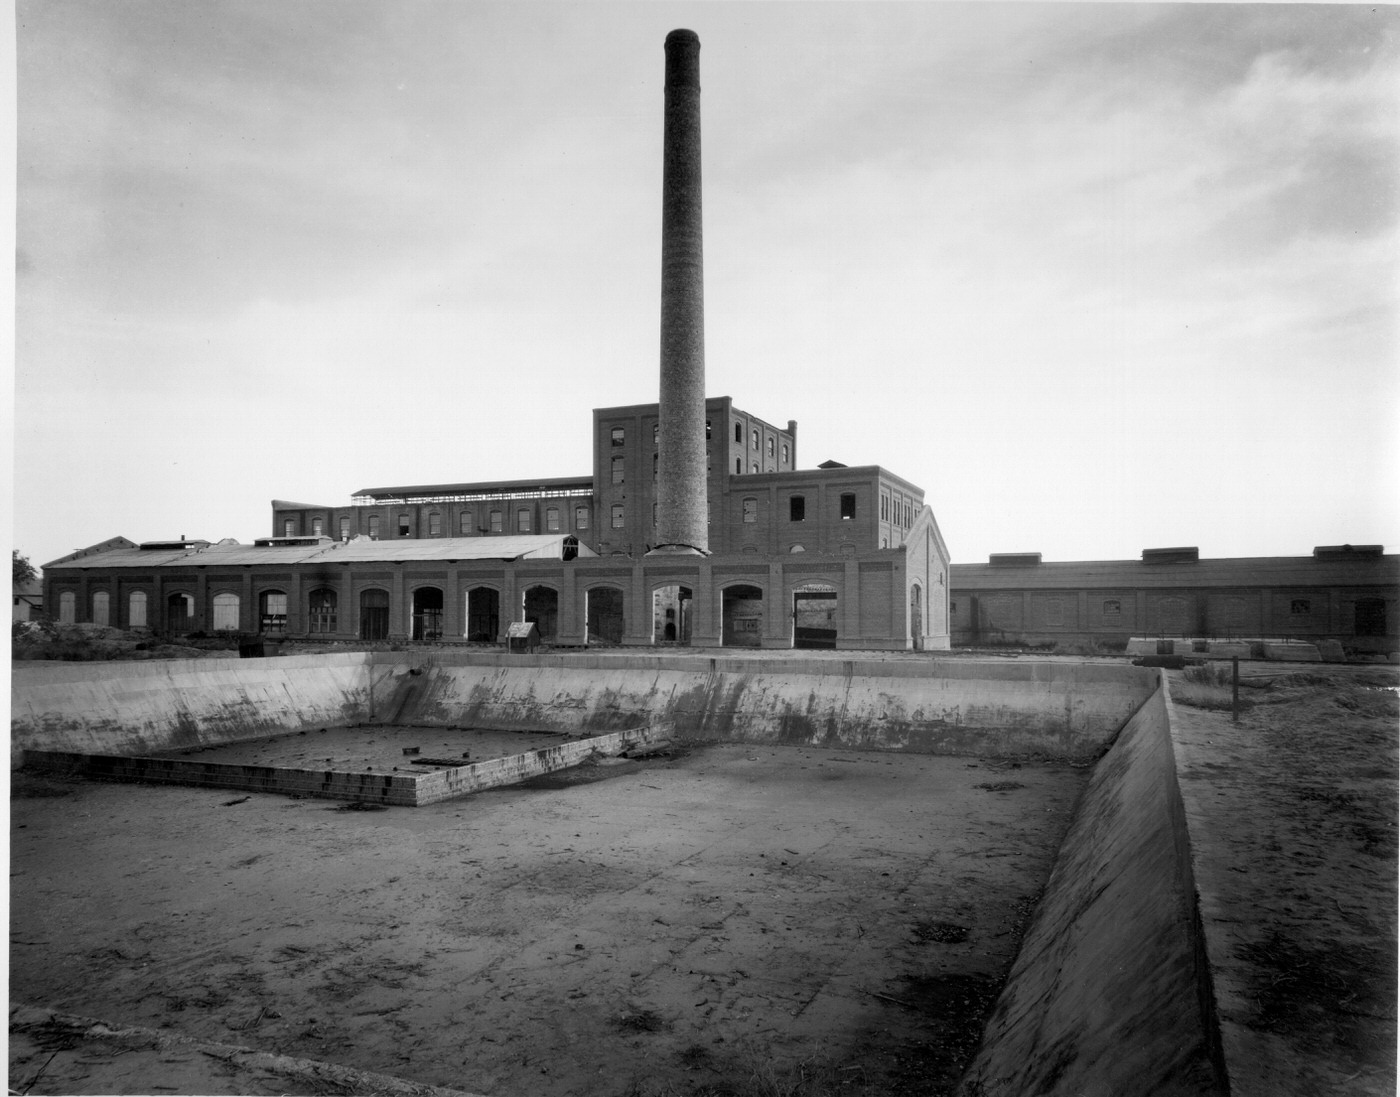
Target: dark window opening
x,y
797,509
848,505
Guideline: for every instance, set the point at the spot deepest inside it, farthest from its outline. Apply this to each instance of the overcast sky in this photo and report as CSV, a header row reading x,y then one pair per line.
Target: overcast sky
x,y
1096,277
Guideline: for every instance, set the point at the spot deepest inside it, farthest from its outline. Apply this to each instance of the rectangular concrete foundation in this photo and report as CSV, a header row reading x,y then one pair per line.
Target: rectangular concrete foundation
x,y
390,789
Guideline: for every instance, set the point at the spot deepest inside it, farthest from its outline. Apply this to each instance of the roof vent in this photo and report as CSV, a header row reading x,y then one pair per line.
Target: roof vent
x,y
1341,552
1014,559
1188,555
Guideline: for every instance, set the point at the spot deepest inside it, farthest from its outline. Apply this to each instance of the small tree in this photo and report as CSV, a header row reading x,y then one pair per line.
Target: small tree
x,y
24,572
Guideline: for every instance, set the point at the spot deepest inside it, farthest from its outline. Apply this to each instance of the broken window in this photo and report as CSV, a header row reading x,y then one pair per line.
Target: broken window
x,y
434,524
754,437
580,517
739,433
619,436
1299,607
618,467
345,529
771,444
1112,611
496,526
707,430
738,466
753,467
551,519
315,527
617,516
274,611
848,505
797,508
374,527
405,525
750,510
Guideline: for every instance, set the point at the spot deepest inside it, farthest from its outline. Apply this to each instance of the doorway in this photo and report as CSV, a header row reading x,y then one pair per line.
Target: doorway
x,y
742,617
374,614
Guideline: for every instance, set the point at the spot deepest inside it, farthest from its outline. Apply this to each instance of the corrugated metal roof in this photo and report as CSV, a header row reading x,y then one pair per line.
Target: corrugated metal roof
x,y
523,546
549,546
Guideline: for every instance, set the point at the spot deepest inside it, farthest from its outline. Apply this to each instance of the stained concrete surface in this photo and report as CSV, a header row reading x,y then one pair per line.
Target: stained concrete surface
x,y
375,749
636,928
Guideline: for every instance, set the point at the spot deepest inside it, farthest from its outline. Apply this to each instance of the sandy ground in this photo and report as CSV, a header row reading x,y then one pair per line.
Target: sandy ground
x,y
1293,814
732,917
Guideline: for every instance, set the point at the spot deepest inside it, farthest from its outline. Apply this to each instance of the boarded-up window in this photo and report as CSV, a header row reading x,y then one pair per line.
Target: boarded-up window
x,y
226,612
136,610
617,520
101,608
67,608
750,510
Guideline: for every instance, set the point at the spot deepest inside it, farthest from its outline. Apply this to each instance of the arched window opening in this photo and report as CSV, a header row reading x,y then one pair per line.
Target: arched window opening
x,y
136,609
101,608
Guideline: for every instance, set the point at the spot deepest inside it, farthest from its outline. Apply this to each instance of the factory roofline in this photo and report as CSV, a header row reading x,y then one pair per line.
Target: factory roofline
x,y
543,483
544,546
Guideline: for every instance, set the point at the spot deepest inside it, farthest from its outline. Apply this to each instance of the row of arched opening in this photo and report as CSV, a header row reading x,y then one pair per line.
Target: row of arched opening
x,y
815,613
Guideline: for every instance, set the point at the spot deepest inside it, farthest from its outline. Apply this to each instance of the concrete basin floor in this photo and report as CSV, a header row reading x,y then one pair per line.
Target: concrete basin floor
x,y
645,927
375,749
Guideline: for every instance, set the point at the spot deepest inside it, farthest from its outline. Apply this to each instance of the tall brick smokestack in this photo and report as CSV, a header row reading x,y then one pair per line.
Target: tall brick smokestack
x,y
681,508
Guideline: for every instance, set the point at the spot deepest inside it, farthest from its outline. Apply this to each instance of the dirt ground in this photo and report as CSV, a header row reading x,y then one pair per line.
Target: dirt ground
x,y
733,920
1293,814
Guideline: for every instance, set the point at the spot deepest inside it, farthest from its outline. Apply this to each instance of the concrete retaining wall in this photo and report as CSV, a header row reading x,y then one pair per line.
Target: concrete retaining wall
x,y
139,708
934,706
1110,993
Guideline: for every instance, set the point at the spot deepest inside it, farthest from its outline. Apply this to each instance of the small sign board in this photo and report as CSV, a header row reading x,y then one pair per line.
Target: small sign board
x,y
523,630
